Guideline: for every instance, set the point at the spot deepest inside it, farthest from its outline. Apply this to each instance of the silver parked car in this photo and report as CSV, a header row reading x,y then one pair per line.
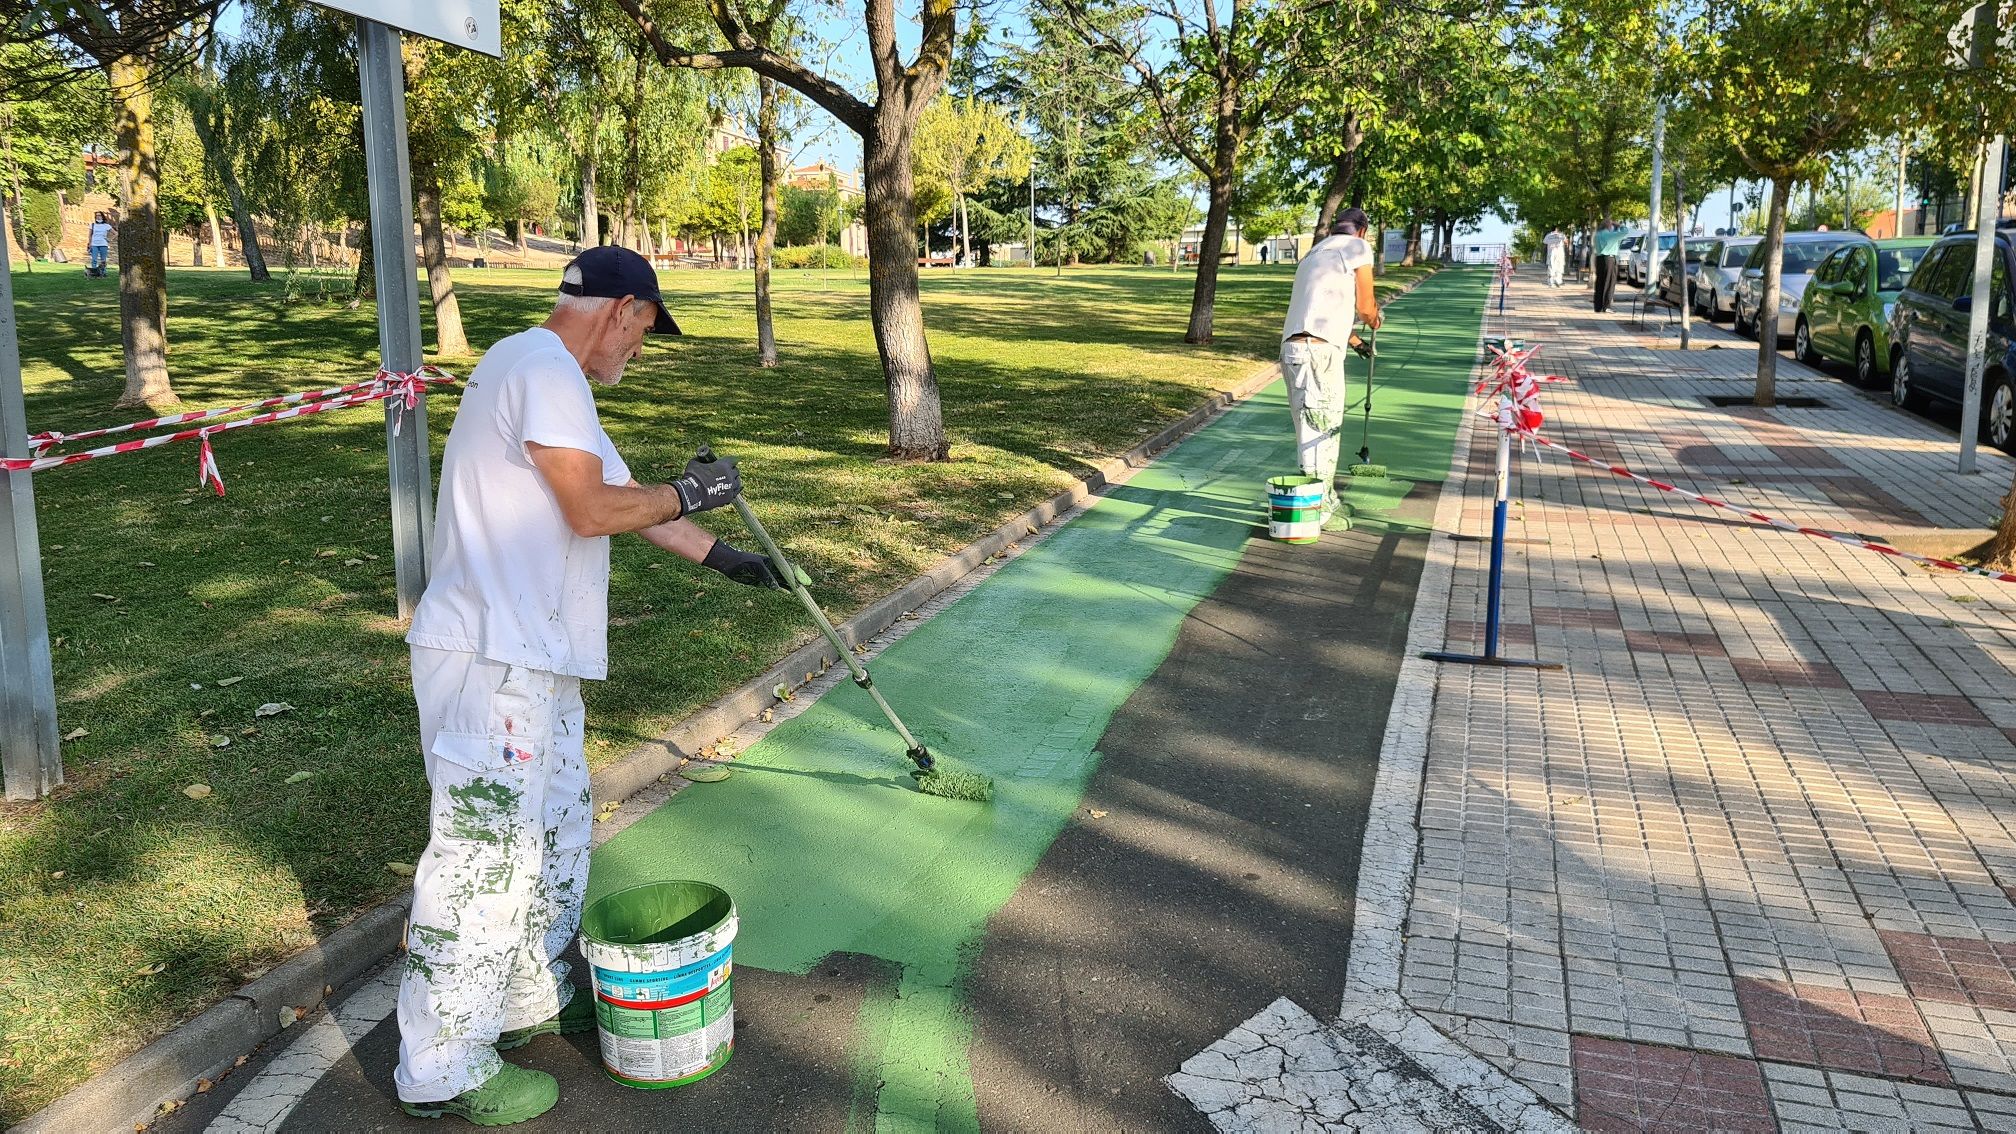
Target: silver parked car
x,y
1803,253
1715,280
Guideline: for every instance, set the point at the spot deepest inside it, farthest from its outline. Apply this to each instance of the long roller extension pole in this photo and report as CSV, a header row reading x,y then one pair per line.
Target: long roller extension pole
x,y
854,666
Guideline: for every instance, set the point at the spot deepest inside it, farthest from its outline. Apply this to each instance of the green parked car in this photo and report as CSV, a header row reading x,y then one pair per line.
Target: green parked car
x,y
1845,316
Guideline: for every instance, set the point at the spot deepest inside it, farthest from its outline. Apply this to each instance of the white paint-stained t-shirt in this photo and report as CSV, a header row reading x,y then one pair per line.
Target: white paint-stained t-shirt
x,y
511,581
1325,300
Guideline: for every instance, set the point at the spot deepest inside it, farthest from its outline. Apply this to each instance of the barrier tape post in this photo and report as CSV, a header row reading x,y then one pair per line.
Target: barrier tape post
x,y
30,754
1511,368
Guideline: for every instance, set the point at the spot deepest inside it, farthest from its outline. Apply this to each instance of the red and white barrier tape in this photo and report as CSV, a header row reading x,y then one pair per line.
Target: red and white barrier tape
x,y
1759,517
1509,377
406,388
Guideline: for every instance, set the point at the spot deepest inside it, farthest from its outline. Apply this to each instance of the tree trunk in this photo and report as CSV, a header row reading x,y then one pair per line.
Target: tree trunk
x,y
916,421
1767,304
143,275
1378,249
1343,173
1204,297
248,229
766,236
216,231
2001,555
366,284
1413,255
591,224
448,336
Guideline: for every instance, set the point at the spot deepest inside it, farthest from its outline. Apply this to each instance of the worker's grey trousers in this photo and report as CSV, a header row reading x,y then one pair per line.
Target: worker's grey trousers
x,y
497,895
1314,373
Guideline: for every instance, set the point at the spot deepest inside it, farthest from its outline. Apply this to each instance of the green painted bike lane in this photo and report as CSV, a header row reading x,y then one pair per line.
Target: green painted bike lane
x,y
819,836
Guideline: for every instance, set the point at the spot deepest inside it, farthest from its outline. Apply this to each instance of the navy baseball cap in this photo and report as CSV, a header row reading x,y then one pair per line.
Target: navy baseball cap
x,y
612,271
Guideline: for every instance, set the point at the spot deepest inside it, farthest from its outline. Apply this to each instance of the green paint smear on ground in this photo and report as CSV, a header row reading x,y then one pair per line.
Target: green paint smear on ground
x,y
1427,348
827,848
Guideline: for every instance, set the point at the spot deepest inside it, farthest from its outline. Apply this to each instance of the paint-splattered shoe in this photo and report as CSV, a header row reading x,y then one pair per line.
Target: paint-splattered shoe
x,y
578,1016
515,1094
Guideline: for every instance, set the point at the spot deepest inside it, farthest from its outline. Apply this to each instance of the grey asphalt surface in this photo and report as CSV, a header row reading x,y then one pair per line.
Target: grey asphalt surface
x,y
1211,869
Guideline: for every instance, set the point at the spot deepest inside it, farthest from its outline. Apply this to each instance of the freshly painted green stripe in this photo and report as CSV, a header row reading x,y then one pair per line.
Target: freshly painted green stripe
x,y
1427,350
826,848
819,836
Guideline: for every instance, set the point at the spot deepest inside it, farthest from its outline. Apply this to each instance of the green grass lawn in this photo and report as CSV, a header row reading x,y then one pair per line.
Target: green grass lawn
x,y
126,905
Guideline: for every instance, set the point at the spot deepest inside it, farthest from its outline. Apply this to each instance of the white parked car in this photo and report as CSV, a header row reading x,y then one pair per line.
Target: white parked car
x,y
1642,266
1715,282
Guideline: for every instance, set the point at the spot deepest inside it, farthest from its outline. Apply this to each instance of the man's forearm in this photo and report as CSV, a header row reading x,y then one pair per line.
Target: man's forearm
x,y
681,537
633,507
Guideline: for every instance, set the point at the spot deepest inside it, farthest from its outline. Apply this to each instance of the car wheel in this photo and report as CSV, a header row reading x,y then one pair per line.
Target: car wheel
x,y
1802,343
1743,326
1865,361
1903,394
1998,421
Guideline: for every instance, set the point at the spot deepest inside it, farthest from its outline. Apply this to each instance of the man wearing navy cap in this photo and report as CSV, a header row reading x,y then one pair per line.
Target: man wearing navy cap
x,y
514,617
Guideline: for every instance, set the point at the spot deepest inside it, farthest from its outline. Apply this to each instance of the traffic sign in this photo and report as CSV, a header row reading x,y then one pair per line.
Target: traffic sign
x,y
474,24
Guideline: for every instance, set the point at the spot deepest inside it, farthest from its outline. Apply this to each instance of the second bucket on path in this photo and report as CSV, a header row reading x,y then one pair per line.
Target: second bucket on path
x,y
1295,508
660,955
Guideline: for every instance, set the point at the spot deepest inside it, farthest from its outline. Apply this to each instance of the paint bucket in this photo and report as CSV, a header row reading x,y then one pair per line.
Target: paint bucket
x,y
1295,508
660,958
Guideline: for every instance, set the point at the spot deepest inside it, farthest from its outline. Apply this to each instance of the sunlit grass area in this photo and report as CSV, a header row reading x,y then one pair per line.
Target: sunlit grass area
x,y
127,905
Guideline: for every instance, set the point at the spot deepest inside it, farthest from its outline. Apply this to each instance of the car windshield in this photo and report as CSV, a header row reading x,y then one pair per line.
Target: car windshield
x,y
1895,265
1805,255
1696,249
1736,255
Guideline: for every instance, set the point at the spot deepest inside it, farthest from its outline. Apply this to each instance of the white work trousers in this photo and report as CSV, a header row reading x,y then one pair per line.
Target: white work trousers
x,y
497,895
1314,373
1557,263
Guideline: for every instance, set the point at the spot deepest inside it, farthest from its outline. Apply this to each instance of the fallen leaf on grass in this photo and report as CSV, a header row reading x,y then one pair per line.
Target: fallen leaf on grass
x,y
77,734
768,716
781,693
143,563
402,869
57,875
299,777
197,791
328,554
249,730
353,563
152,970
1096,813
224,682
107,598
206,713
220,742
272,709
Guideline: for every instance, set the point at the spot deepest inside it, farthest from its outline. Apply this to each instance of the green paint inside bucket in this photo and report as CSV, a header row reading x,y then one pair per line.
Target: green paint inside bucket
x,y
660,956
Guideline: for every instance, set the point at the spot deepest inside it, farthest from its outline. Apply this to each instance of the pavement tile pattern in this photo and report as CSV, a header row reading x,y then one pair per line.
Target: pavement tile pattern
x,y
1747,862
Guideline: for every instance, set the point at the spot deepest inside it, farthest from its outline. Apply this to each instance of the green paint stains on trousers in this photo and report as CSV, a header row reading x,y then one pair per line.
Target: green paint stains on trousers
x,y
820,837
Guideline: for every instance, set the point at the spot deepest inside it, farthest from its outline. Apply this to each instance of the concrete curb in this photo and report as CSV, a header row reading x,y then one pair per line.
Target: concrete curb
x,y
132,1091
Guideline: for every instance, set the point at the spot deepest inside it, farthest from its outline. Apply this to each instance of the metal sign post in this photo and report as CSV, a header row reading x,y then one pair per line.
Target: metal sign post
x,y
1980,20
390,176
29,750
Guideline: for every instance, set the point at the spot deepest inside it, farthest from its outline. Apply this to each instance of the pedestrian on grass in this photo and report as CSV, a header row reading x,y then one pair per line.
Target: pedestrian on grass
x,y
1608,240
514,618
1333,289
1556,243
99,246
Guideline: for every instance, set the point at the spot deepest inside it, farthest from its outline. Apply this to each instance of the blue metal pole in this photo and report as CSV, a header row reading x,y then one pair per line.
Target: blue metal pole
x,y
1494,596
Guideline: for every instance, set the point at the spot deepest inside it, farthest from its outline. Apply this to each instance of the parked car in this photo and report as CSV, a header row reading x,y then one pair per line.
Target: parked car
x,y
1928,330
1636,268
1624,250
1846,310
1803,252
1715,281
1687,263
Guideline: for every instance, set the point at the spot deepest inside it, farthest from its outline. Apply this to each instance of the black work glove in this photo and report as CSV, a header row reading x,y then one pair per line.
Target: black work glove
x,y
745,567
708,485
1362,347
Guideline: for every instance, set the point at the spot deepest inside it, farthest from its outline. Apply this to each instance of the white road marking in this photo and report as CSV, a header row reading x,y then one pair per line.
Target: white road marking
x,y
264,1103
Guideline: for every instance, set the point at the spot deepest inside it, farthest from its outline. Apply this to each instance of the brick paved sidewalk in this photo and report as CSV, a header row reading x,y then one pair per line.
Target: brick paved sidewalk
x,y
1749,860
